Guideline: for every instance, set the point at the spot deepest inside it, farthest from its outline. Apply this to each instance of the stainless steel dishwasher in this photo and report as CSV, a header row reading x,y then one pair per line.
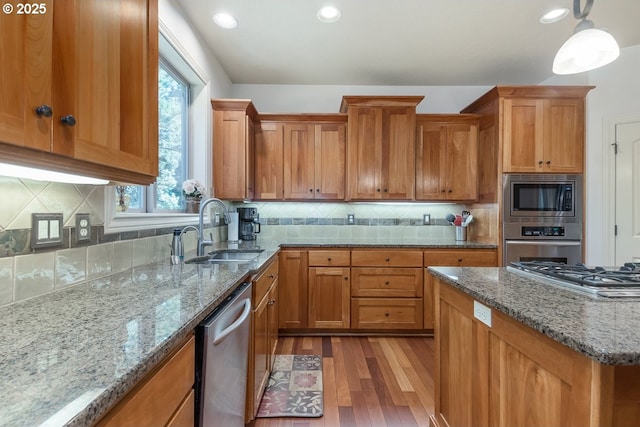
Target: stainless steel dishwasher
x,y
223,347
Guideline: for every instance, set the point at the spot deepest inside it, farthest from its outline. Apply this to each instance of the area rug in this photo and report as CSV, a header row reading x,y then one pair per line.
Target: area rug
x,y
294,388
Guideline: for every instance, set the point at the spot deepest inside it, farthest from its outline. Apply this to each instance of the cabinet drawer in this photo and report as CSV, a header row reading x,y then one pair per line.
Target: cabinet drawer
x,y
386,313
386,258
263,281
159,397
461,258
386,282
329,258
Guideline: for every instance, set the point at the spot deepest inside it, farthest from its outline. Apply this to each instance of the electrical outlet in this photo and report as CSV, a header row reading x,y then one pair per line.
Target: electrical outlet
x,y
426,219
216,218
83,228
482,313
351,219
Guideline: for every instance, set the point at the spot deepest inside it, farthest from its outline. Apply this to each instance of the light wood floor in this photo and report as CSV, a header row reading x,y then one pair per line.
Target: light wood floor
x,y
368,381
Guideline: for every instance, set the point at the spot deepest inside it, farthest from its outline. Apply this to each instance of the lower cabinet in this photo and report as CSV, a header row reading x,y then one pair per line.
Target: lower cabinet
x,y
165,397
264,336
329,289
511,375
453,258
293,289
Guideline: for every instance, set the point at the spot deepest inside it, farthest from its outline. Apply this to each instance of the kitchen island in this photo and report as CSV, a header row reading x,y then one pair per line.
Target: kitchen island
x,y
515,351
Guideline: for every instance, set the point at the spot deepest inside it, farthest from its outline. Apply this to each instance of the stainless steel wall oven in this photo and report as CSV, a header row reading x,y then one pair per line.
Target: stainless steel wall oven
x,y
542,218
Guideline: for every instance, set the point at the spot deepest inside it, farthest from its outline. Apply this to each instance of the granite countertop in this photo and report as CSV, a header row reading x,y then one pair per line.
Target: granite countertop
x,y
66,358
605,329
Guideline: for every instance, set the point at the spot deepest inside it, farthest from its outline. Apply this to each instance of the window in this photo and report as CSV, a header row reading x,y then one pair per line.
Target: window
x,y
184,116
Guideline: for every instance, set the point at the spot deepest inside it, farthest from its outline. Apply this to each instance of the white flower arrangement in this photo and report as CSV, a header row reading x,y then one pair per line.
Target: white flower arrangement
x,y
193,188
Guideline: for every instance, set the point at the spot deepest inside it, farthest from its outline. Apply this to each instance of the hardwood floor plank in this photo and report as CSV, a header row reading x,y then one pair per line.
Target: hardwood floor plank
x,y
374,408
420,414
331,415
388,375
391,358
406,417
347,418
353,377
342,385
357,353
360,410
421,378
326,347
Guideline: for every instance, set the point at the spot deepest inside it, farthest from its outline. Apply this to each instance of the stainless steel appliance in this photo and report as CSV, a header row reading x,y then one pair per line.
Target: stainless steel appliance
x,y
542,218
221,361
249,225
542,196
597,281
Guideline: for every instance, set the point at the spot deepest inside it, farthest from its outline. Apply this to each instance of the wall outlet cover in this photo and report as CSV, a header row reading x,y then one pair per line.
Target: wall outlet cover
x,y
83,228
351,219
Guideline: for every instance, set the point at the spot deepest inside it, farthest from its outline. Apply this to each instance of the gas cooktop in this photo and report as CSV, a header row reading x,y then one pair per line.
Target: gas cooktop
x,y
599,281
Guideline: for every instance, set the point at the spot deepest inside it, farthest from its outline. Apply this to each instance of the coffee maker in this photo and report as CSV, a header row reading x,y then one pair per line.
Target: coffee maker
x,y
249,226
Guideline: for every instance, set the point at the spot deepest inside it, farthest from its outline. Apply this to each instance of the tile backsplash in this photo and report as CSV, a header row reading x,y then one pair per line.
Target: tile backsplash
x,y
25,274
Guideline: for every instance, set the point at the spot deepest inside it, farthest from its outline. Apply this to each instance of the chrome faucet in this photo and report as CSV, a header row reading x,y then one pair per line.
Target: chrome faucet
x,y
227,219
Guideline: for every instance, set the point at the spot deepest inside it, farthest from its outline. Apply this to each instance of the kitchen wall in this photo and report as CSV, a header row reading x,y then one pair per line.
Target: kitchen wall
x,y
616,94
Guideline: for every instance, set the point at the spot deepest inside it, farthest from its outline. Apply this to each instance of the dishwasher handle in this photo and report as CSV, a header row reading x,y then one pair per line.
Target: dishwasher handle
x,y
235,325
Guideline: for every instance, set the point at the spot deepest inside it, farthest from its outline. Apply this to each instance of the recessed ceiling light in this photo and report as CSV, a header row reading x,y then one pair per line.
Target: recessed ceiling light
x,y
224,20
329,14
554,15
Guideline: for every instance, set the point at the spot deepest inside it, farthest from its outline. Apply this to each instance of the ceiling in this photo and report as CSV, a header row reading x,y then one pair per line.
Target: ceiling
x,y
398,42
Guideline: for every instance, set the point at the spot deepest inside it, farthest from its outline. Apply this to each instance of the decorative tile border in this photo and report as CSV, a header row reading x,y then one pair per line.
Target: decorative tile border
x,y
373,222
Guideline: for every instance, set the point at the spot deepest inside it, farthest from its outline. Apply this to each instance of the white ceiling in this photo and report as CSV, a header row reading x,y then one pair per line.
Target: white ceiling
x,y
398,42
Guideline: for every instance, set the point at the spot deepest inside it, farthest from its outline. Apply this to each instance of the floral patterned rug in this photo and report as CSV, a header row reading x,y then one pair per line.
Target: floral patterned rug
x,y
294,388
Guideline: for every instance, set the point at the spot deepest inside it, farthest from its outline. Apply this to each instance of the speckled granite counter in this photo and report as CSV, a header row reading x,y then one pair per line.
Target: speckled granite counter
x,y
604,329
67,357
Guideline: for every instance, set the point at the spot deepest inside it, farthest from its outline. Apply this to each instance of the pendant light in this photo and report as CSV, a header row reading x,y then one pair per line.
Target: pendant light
x,y
588,48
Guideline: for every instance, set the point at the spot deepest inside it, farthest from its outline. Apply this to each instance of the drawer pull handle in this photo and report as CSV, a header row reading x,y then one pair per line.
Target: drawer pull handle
x,y
329,259
459,259
386,283
386,314
387,259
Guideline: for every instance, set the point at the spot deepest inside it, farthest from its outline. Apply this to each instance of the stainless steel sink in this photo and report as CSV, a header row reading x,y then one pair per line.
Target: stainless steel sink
x,y
227,257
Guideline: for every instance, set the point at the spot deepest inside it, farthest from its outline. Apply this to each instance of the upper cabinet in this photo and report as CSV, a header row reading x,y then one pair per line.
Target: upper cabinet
x,y
380,147
82,99
314,159
233,148
268,161
446,157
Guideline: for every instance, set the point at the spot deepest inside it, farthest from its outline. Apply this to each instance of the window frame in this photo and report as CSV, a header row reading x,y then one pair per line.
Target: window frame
x,y
198,150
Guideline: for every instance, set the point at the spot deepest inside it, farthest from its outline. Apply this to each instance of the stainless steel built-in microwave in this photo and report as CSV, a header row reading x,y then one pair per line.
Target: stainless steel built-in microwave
x,y
542,196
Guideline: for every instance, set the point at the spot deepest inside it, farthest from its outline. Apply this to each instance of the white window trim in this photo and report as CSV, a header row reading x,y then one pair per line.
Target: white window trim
x,y
199,148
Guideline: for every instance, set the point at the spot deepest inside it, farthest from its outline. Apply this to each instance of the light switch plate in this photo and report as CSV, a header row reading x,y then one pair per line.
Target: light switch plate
x,y
46,230
83,228
426,219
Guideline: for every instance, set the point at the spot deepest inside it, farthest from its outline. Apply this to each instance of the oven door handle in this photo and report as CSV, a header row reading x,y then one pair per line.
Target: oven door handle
x,y
544,242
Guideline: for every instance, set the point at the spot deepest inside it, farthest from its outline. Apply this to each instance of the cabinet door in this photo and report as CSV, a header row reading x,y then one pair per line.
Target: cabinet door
x,y
25,78
330,140
397,148
329,297
299,161
292,289
261,351
564,135
108,85
431,142
232,144
364,153
523,135
269,157
461,162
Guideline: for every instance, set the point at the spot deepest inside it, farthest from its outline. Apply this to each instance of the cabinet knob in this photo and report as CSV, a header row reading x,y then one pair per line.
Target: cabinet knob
x,y
548,162
450,191
317,190
540,163
442,191
387,259
459,259
272,301
386,283
346,277
385,190
329,259
386,314
378,190
68,120
311,190
271,276
44,111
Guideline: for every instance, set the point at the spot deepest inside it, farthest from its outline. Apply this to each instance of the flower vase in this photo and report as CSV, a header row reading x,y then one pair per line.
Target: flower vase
x,y
193,205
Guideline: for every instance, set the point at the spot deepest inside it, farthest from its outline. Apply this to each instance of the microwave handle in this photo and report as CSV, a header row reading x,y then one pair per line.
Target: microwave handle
x,y
544,242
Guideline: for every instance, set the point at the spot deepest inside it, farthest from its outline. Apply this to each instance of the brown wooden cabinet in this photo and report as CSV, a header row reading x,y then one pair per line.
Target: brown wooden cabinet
x,y
453,258
386,289
293,289
264,335
165,397
543,135
329,289
446,157
269,183
380,147
233,148
509,374
314,158
68,114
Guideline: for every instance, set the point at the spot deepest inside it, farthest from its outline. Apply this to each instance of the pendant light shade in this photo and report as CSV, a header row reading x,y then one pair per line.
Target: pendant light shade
x,y
587,49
